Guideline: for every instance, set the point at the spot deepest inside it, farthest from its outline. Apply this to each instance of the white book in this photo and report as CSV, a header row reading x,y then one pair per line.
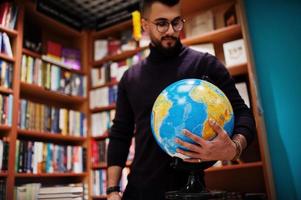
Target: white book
x,y
6,45
200,24
243,91
235,52
60,190
100,49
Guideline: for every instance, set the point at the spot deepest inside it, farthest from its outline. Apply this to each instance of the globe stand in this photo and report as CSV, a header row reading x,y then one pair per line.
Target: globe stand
x,y
195,187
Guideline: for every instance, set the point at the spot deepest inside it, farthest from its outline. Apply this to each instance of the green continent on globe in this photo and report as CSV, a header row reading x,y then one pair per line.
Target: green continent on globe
x,y
218,107
160,112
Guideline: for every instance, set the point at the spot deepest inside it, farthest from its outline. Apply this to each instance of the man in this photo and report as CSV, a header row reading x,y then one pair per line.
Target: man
x,y
151,174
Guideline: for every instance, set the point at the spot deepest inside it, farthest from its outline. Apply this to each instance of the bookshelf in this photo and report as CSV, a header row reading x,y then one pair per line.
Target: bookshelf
x,y
21,90
254,173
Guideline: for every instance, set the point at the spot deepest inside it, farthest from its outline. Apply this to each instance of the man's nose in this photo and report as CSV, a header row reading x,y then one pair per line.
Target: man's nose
x,y
170,30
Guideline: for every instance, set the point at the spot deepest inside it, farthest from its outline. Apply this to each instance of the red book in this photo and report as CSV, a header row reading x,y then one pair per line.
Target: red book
x,y
54,50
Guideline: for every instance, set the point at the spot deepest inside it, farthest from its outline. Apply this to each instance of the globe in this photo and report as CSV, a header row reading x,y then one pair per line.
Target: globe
x,y
189,104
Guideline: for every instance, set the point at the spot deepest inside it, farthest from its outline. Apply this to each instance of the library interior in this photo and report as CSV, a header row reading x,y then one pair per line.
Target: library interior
x,y
150,99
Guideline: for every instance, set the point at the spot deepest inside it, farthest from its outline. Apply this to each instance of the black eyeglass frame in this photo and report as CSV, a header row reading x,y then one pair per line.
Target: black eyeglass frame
x,y
167,25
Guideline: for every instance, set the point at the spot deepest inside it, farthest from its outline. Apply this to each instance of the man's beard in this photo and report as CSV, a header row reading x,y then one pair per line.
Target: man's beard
x,y
166,51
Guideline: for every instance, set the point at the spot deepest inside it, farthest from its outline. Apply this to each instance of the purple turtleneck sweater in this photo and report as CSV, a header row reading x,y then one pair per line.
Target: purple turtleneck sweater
x,y
138,90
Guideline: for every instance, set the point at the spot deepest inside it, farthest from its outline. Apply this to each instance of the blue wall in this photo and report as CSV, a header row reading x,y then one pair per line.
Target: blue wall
x,y
275,33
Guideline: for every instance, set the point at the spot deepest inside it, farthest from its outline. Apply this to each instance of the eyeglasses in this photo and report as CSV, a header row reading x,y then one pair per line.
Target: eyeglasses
x,y
163,25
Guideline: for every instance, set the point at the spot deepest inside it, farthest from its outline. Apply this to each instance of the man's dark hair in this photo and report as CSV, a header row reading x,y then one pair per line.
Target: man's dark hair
x,y
146,4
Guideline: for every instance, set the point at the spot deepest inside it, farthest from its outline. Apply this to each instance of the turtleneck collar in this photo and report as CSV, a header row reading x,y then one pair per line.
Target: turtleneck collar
x,y
158,55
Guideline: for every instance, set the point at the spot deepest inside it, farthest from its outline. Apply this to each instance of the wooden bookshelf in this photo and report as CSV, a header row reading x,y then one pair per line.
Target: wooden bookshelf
x,y
54,137
103,165
7,58
118,57
6,90
10,32
101,137
235,167
5,128
236,70
3,174
38,91
217,36
48,175
99,197
105,108
110,84
31,53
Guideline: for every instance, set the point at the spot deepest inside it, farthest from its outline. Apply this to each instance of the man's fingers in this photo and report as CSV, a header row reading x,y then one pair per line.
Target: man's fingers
x,y
197,139
187,145
217,128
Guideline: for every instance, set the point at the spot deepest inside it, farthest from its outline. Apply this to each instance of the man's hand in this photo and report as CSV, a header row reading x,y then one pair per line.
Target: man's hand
x,y
114,196
220,148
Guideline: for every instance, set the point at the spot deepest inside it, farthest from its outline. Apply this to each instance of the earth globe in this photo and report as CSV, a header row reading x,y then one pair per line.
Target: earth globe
x,y
189,104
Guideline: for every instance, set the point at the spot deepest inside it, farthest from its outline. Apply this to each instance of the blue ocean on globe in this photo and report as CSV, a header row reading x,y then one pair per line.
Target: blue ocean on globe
x,y
189,104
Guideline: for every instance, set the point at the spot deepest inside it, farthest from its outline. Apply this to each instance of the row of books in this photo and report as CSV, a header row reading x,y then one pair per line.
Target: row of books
x,y
113,71
8,15
5,45
68,57
112,46
99,151
39,117
6,108
2,189
34,191
52,77
4,148
6,74
101,122
38,157
103,97
99,181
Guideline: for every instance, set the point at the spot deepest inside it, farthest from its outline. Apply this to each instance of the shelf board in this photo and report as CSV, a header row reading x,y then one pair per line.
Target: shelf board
x,y
50,136
235,167
61,65
3,174
109,84
219,35
35,90
118,57
47,175
10,32
6,57
99,197
103,165
105,108
101,137
240,69
5,128
31,53
6,90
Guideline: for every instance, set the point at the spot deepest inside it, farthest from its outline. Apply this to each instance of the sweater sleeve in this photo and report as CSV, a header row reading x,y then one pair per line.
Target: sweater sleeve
x,y
122,129
244,122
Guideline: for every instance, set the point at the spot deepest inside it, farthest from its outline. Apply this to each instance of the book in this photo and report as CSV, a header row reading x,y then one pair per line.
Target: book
x,y
199,24
6,46
54,50
243,91
100,48
235,52
71,57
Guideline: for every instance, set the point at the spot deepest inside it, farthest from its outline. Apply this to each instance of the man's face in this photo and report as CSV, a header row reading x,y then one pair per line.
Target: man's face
x,y
157,17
